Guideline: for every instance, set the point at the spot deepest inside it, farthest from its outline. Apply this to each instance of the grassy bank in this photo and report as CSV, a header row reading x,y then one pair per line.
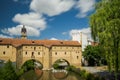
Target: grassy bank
x,y
84,74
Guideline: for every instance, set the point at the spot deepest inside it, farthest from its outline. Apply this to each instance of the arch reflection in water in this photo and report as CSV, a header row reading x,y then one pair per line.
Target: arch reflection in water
x,y
32,75
60,74
49,75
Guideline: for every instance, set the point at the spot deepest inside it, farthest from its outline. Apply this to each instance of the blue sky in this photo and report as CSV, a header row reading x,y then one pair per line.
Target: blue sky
x,y
45,19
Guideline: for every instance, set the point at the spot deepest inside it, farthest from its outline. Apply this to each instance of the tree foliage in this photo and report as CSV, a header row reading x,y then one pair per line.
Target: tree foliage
x,y
28,65
31,65
8,72
94,55
105,28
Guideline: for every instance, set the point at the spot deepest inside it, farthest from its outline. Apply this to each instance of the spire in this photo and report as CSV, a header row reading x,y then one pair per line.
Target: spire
x,y
23,32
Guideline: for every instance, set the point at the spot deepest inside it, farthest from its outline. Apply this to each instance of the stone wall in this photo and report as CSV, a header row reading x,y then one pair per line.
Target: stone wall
x,y
45,55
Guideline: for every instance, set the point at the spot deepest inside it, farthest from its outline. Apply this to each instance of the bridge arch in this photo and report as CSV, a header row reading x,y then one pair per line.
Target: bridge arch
x,y
61,63
31,64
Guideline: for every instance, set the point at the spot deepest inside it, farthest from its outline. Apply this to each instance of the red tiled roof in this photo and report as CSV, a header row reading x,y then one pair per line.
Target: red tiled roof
x,y
48,43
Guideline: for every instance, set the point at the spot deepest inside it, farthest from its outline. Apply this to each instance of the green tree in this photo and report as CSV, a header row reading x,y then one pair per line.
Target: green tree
x,y
105,28
28,65
8,71
1,74
94,55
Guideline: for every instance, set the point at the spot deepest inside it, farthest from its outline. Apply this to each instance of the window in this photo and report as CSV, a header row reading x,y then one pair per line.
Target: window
x,y
26,53
61,42
38,53
4,52
7,46
33,42
56,53
0,40
32,53
65,53
26,47
77,57
39,47
34,48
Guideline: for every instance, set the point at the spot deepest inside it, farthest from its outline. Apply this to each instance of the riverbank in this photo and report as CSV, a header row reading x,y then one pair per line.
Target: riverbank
x,y
84,74
101,71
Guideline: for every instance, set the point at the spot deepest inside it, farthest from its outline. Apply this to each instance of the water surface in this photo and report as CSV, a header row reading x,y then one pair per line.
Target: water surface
x,y
49,75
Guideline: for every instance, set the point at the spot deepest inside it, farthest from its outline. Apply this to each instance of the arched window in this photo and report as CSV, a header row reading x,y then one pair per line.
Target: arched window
x,y
26,52
34,48
4,52
55,53
77,57
32,53
38,53
39,47
65,53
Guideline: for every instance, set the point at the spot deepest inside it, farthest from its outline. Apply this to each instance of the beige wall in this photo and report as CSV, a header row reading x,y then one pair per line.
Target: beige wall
x,y
70,53
30,52
7,52
46,55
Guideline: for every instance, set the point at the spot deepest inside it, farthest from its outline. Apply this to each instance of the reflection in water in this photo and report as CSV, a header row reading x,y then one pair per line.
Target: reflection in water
x,y
60,74
49,75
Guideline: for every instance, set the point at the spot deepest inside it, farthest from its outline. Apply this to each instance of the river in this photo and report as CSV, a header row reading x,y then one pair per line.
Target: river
x,y
49,75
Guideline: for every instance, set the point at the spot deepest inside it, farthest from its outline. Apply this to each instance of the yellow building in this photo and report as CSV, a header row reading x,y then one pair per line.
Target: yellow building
x,y
44,51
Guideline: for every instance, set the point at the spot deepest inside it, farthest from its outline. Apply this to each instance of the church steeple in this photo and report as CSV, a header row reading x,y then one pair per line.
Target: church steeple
x,y
23,33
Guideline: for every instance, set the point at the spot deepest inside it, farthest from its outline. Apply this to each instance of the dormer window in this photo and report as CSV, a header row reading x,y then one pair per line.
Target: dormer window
x,y
61,42
0,40
33,42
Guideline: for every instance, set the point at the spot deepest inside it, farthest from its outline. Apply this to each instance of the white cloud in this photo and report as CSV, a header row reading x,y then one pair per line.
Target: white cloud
x,y
64,33
34,23
4,36
12,31
53,38
51,7
84,7
15,31
31,19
